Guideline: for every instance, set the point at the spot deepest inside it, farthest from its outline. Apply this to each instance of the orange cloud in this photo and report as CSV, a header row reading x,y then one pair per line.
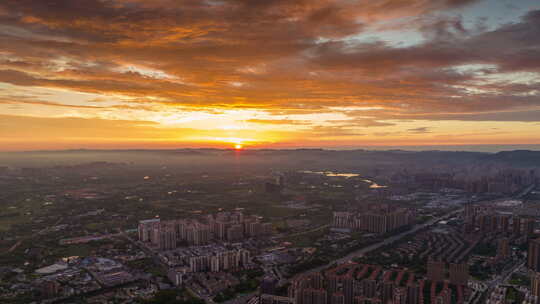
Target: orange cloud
x,y
301,67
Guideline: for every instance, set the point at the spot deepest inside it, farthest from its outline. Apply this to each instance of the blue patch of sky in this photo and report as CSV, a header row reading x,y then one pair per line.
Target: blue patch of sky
x,y
490,13
496,13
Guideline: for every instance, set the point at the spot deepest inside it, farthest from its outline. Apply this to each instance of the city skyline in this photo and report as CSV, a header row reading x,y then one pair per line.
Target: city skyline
x,y
270,151
130,74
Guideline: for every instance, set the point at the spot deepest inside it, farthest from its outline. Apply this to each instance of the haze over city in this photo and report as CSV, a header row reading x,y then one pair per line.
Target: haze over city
x,y
269,152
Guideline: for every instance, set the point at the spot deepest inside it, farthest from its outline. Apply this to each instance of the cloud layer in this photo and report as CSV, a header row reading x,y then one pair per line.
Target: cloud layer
x,y
288,62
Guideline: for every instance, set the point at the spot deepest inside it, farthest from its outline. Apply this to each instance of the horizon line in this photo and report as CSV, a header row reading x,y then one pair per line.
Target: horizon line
x,y
344,148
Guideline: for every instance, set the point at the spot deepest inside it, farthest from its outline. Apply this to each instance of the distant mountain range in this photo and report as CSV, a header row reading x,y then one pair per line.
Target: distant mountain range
x,y
303,158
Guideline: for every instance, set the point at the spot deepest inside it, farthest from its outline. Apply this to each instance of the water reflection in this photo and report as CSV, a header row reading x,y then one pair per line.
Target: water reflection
x,y
372,184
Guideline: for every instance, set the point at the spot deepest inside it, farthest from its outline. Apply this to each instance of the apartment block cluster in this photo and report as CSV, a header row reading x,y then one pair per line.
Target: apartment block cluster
x,y
533,255
535,288
485,220
455,273
504,181
211,258
368,284
380,220
224,226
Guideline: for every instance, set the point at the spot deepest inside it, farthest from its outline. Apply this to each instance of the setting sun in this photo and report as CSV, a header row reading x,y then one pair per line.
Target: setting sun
x,y
238,147
368,74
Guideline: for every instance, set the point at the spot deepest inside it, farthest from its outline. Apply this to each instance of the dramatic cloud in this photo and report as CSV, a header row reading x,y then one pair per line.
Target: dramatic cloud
x,y
285,67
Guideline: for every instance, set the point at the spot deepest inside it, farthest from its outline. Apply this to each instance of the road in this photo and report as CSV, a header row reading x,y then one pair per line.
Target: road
x,y
16,245
503,278
242,299
307,231
386,241
526,191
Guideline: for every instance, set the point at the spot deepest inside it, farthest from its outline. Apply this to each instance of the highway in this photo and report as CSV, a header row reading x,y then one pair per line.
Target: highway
x,y
397,237
387,241
526,191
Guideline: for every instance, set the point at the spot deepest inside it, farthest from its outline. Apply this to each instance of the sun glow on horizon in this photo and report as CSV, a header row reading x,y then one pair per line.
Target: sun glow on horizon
x,y
122,87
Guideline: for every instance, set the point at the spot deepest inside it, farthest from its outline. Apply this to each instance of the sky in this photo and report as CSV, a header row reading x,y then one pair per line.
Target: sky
x,y
119,74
